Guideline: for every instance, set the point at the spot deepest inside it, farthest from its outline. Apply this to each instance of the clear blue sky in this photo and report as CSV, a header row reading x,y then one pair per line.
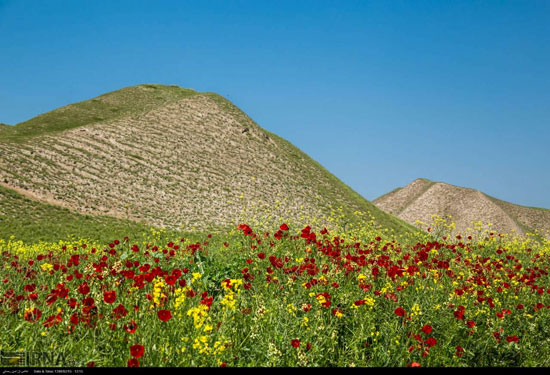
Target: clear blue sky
x,y
379,92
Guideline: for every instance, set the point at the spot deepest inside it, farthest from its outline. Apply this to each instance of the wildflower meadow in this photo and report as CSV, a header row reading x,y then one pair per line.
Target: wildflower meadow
x,y
289,296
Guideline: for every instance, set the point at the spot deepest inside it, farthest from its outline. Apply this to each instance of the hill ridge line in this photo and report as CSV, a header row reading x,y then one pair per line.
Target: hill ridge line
x,y
421,193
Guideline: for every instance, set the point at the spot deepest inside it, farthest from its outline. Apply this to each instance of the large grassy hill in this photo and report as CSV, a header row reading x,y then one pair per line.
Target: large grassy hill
x,y
167,156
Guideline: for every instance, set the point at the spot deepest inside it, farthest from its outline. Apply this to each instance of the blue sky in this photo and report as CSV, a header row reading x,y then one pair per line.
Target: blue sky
x,y
379,92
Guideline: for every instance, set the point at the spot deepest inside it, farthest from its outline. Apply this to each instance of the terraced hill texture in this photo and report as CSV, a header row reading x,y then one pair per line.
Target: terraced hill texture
x,y
167,156
423,198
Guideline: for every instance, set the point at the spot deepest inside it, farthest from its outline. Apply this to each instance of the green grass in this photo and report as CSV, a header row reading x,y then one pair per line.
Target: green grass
x,y
32,222
128,101
276,302
4,129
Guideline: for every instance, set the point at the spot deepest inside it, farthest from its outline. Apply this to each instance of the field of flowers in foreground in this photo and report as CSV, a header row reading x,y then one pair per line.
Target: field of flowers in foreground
x,y
290,298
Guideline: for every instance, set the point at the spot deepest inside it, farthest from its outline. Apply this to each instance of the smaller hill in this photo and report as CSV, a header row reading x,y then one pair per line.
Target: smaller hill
x,y
423,198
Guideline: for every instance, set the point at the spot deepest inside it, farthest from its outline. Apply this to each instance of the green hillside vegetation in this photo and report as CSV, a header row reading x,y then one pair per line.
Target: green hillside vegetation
x,y
129,101
4,128
32,221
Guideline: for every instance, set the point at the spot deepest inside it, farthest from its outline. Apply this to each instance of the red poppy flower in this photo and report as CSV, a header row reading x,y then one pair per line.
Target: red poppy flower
x,y
431,342
512,339
88,301
120,311
133,363
459,313
32,315
427,329
295,343
84,288
471,323
459,351
130,327
399,311
109,297
164,315
29,287
170,280
137,351
283,227
207,301
90,364
74,319
414,364
52,320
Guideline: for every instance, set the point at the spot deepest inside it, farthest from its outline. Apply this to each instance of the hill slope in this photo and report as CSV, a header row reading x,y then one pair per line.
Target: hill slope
x,y
117,104
423,198
32,221
168,156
